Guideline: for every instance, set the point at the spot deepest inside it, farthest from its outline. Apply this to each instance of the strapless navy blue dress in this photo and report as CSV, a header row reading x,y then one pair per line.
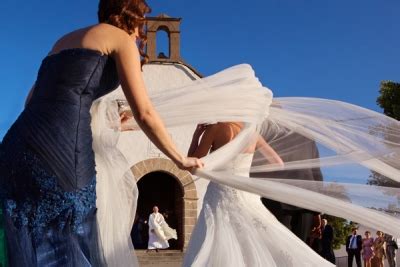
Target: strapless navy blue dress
x,y
47,166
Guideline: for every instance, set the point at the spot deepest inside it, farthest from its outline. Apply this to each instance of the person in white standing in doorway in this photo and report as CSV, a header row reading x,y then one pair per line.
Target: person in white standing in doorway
x,y
159,231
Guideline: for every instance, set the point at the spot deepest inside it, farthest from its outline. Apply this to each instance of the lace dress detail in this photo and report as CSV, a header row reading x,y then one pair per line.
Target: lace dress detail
x,y
49,204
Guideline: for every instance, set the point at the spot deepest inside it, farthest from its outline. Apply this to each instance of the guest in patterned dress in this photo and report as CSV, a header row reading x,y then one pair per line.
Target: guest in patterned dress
x,y
367,249
379,250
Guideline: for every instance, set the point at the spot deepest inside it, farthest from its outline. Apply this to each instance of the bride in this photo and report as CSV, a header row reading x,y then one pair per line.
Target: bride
x,y
234,228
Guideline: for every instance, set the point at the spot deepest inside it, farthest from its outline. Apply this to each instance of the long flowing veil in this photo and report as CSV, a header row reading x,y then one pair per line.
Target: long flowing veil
x,y
348,145
116,188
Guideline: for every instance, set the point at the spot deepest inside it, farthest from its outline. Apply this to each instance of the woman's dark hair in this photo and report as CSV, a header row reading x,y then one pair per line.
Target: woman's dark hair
x,y
126,15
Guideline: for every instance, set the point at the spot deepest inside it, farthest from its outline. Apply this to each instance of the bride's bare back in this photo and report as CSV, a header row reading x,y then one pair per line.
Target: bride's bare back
x,y
224,132
216,135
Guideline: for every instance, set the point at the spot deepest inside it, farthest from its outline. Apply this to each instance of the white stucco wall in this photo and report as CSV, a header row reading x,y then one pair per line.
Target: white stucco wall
x,y
159,77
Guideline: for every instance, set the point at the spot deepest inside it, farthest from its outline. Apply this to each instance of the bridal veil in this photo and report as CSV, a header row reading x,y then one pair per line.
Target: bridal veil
x,y
353,144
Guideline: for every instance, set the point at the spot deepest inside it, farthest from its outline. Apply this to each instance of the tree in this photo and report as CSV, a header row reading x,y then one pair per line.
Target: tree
x,y
380,180
389,101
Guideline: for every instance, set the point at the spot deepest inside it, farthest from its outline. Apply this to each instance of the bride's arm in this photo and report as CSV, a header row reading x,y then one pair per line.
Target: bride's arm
x,y
195,139
201,149
127,59
268,152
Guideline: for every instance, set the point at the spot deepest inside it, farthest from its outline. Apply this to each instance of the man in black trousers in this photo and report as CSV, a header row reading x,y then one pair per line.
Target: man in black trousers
x,y
327,242
353,248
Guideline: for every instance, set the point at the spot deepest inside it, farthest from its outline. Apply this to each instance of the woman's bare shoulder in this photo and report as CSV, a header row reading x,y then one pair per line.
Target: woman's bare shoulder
x,y
108,29
222,132
101,37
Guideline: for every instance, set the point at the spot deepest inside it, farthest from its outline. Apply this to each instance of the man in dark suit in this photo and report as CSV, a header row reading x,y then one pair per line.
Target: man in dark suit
x,y
353,248
327,242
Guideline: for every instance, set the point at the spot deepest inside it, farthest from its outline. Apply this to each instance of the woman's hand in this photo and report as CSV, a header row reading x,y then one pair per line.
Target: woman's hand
x,y
125,118
189,163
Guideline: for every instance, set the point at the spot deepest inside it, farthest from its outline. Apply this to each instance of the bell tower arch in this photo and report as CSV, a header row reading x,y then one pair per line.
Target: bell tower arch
x,y
172,27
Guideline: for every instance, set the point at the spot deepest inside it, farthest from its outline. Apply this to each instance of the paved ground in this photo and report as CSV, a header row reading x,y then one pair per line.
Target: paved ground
x,y
173,258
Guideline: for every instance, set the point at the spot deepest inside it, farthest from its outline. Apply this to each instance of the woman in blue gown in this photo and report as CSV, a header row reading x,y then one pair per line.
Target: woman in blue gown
x,y
47,165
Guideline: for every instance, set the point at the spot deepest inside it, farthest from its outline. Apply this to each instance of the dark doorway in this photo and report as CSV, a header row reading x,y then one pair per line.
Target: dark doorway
x,y
163,190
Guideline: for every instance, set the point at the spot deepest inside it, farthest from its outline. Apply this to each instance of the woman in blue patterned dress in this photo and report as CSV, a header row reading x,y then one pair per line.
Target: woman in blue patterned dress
x,y
47,165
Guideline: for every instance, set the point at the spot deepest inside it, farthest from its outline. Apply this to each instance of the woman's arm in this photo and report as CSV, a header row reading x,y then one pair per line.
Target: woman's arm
x,y
127,59
195,139
268,152
201,149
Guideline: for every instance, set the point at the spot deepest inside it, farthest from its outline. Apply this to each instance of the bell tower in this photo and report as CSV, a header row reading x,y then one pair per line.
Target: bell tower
x,y
172,27
177,194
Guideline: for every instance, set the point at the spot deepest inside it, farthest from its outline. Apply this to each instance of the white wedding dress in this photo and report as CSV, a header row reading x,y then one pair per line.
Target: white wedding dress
x,y
235,229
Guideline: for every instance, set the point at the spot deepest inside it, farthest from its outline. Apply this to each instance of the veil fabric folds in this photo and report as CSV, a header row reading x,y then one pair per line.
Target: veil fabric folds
x,y
342,142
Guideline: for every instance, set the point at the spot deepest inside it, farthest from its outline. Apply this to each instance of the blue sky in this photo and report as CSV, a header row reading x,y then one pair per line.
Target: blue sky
x,y
331,49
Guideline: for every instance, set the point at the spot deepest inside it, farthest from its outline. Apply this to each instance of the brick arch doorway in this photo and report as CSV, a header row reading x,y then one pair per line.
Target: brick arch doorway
x,y
161,183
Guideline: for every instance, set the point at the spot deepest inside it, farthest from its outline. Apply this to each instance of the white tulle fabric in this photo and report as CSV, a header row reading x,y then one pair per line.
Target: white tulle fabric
x,y
169,233
347,134
235,229
116,189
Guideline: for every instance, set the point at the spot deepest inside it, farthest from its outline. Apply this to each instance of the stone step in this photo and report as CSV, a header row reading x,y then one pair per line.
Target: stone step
x,y
159,259
159,256
167,258
164,264
160,251
160,262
